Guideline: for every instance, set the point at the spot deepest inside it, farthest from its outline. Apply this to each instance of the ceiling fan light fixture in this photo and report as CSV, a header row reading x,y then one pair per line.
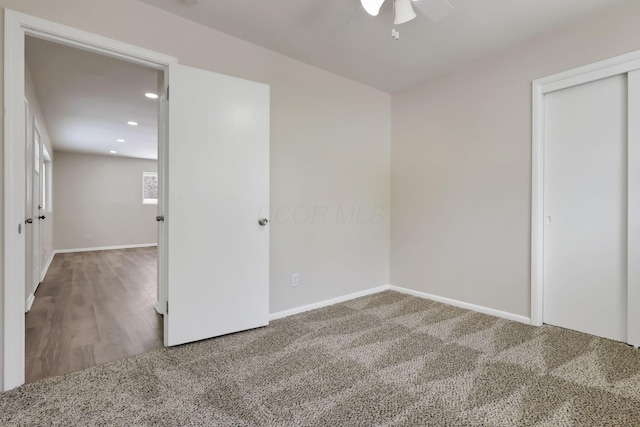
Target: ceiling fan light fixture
x,y
372,6
403,11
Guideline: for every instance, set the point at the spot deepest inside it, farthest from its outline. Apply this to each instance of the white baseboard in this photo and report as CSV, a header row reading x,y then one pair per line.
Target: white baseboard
x,y
158,308
104,248
47,265
325,303
30,302
32,297
466,305
449,301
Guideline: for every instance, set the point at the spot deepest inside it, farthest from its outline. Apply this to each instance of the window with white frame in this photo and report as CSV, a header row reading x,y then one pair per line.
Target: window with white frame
x,y
150,188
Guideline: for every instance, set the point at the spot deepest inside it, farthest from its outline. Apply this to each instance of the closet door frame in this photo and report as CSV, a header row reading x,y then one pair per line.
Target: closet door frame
x,y
623,64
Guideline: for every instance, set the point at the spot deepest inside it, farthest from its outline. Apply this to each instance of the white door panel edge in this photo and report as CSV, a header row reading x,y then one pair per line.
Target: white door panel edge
x,y
633,215
218,273
14,207
36,168
163,115
28,230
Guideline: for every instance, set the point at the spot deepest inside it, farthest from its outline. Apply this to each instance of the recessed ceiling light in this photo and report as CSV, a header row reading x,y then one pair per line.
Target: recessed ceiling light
x,y
120,140
151,95
132,123
113,152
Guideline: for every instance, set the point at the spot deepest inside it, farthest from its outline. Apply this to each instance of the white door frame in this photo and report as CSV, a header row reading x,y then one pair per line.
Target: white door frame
x,y
28,206
17,26
585,74
36,241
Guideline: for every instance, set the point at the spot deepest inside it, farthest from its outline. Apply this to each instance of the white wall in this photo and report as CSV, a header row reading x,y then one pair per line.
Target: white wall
x,y
330,142
46,226
98,201
461,166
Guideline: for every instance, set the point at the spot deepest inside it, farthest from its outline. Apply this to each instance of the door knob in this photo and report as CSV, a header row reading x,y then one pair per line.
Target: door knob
x,y
28,221
263,221
42,217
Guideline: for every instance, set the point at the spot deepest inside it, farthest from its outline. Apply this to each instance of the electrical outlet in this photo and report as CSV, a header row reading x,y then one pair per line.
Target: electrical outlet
x,y
295,279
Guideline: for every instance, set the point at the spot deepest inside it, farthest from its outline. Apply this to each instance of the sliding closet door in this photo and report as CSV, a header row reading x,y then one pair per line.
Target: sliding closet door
x,y
585,205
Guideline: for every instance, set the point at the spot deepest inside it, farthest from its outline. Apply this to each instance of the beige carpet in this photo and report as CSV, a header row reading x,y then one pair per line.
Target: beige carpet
x,y
383,360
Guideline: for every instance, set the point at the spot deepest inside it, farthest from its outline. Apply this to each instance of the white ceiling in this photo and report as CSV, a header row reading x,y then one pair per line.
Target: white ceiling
x,y
87,100
339,36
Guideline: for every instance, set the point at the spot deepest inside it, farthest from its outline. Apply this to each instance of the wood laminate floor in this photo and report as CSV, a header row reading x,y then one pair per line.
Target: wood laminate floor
x,y
93,308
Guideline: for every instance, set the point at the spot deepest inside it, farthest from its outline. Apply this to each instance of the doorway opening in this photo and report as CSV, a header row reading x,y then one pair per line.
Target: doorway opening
x,y
216,273
91,175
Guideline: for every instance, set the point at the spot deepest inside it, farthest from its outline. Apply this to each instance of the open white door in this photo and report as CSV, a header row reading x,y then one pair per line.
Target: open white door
x,y
218,183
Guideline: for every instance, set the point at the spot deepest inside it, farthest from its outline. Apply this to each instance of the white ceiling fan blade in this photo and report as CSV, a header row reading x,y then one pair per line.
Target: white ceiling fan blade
x,y
372,6
434,9
403,11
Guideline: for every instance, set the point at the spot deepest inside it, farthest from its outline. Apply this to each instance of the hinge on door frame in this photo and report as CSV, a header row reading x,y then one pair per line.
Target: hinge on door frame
x,y
167,93
167,308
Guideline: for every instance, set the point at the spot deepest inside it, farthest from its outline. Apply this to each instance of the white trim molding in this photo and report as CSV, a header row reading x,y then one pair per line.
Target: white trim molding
x,y
633,211
14,207
47,265
158,308
32,296
424,295
84,40
16,27
326,303
30,301
465,305
540,87
104,248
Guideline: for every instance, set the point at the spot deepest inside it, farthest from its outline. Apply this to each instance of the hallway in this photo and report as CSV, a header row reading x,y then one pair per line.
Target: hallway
x,y
93,308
